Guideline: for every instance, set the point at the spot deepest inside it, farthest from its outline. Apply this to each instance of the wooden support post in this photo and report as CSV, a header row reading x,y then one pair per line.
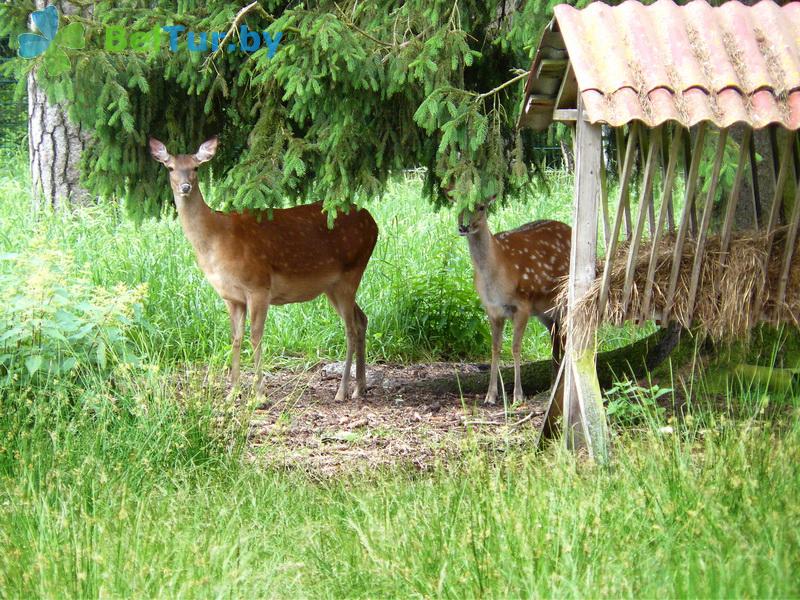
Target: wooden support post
x,y
686,216
584,416
700,249
666,207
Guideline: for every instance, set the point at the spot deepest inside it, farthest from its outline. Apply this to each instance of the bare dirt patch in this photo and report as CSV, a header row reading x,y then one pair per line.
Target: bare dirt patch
x,y
301,426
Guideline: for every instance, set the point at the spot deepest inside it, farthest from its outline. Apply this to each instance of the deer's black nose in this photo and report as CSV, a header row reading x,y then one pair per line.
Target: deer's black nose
x,y
186,188
463,229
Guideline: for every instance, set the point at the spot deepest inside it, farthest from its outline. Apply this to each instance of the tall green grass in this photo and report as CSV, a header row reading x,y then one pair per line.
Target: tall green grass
x,y
417,290
123,484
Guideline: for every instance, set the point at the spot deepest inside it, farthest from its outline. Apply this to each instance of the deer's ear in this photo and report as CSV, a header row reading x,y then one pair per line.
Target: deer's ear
x,y
207,150
158,151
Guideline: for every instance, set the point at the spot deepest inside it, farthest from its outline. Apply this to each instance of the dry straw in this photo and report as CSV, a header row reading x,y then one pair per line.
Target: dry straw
x,y
728,293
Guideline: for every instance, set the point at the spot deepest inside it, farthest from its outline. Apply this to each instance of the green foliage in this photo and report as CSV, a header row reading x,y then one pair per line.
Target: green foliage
x,y
440,309
630,404
355,93
56,324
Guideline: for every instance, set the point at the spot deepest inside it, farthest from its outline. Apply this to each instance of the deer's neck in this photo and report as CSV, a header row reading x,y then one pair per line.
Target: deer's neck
x,y
482,250
197,219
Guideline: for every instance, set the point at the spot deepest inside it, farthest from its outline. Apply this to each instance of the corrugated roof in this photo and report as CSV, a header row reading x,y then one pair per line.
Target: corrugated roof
x,y
662,62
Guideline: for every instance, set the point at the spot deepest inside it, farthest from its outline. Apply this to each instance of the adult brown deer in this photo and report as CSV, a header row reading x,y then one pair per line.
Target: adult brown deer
x,y
253,261
517,275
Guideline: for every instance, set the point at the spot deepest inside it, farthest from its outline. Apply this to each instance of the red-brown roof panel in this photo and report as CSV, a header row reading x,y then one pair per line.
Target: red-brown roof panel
x,y
688,63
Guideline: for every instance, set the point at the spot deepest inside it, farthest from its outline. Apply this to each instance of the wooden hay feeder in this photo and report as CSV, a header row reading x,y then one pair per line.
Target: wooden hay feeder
x,y
687,200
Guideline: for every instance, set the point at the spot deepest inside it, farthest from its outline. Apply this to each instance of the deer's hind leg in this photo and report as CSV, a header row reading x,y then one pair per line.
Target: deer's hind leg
x,y
361,352
343,300
257,306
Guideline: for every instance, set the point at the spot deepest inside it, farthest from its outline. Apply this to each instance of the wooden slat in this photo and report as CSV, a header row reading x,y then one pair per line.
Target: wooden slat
x,y
776,167
754,179
788,252
666,203
700,249
622,207
551,67
688,211
651,209
775,209
565,114
567,90
604,199
620,133
736,190
665,152
647,189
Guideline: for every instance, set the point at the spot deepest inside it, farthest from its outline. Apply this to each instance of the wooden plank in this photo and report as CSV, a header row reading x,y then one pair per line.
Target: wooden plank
x,y
699,254
620,133
688,211
736,190
647,189
551,67
775,209
611,249
666,203
580,386
565,114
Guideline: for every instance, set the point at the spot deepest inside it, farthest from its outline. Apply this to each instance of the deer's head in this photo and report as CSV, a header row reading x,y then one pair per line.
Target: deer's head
x,y
183,167
470,220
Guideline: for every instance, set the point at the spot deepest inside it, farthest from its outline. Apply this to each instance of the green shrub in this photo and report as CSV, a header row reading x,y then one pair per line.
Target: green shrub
x,y
54,324
630,404
440,308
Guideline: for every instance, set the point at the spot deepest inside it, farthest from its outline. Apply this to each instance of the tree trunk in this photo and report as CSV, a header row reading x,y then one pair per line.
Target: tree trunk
x,y
54,145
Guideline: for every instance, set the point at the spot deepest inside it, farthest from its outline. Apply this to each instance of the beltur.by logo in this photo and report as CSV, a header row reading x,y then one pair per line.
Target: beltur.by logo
x,y
117,40
51,41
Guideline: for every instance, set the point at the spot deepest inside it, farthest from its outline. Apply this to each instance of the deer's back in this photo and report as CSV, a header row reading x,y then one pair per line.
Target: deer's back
x,y
536,256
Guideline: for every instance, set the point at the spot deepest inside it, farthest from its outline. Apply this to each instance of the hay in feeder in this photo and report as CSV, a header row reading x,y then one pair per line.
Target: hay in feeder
x,y
727,299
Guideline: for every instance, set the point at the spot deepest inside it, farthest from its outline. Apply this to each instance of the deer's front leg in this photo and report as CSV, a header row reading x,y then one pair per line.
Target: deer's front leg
x,y
520,324
237,312
497,345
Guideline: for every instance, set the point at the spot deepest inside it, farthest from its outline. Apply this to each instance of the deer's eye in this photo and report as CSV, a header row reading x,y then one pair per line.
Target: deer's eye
x,y
170,169
195,169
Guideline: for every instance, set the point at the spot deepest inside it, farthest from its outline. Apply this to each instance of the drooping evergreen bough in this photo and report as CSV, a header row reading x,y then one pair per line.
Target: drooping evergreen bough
x,y
355,93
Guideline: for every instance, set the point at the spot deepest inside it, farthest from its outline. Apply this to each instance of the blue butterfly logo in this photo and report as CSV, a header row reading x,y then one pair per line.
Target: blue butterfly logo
x,y
32,45
52,41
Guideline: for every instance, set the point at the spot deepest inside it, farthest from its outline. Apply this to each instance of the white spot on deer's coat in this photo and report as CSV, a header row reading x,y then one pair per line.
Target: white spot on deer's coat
x,y
525,276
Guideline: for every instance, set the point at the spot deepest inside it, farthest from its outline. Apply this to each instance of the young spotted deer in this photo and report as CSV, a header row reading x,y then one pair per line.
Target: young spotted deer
x,y
517,274
253,261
